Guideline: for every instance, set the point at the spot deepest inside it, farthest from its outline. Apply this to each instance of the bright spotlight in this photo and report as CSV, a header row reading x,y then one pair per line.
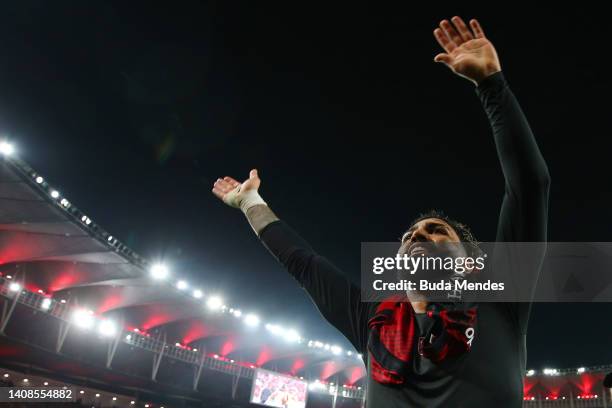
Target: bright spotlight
x,y
159,271
83,318
550,371
182,285
214,303
14,287
530,373
55,194
45,304
237,313
6,148
197,294
251,320
107,328
336,350
6,376
292,335
39,180
25,380
581,370
274,329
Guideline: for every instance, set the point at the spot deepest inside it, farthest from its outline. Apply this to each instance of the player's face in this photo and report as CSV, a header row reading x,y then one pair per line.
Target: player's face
x,y
432,230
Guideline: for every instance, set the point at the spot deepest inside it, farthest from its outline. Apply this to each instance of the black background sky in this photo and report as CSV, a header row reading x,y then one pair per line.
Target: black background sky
x,y
133,110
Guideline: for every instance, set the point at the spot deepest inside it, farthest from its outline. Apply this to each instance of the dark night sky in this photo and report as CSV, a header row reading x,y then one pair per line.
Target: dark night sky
x,y
132,110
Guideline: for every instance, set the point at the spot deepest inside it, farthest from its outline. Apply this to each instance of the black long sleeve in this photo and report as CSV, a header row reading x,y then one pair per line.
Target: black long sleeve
x,y
523,218
524,210
336,297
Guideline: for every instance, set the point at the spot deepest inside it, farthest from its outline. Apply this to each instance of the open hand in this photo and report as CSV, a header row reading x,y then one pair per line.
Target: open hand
x,y
468,53
232,192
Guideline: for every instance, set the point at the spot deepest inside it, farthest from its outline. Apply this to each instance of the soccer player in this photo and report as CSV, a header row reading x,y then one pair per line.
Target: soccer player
x,y
416,358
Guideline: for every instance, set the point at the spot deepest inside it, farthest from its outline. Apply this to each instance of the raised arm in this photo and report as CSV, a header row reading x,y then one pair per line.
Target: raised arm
x,y
469,54
524,210
338,300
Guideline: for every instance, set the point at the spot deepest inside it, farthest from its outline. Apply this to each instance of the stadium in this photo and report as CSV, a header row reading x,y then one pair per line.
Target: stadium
x,y
82,311
189,191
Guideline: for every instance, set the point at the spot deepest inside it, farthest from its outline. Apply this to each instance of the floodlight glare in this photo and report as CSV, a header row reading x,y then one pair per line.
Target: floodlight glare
x,y
55,194
292,335
14,287
107,328
83,318
197,294
182,285
336,350
214,303
251,320
6,148
45,304
39,180
159,271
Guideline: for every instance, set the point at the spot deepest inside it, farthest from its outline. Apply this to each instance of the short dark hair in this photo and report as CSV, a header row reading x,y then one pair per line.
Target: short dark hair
x,y
464,232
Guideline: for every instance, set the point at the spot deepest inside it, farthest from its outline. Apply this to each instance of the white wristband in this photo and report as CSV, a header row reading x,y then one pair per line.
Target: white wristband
x,y
250,199
243,199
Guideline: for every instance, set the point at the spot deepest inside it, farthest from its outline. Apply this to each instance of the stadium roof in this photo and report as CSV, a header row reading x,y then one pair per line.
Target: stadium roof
x,y
54,251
